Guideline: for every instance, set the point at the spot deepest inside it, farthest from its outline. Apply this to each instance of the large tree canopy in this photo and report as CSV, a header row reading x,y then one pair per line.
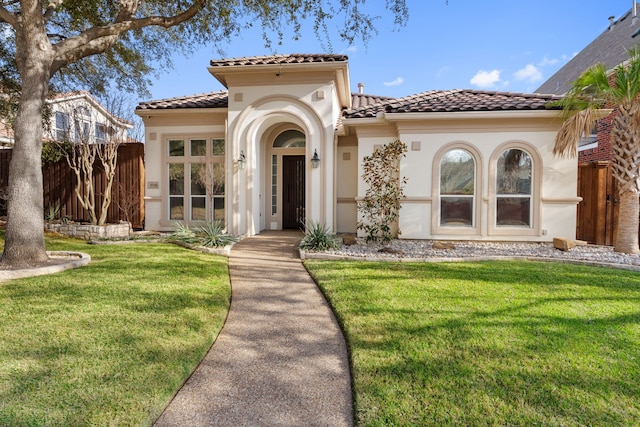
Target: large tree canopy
x,y
93,44
130,36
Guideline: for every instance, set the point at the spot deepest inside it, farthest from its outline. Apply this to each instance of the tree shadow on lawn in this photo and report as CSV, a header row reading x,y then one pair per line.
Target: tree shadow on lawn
x,y
491,343
144,325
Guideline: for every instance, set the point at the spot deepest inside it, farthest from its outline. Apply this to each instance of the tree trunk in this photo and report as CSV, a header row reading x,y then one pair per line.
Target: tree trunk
x,y
624,143
24,242
627,233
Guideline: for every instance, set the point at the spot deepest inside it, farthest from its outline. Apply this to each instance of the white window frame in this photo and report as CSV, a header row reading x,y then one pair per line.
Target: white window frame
x,y
188,160
536,184
448,229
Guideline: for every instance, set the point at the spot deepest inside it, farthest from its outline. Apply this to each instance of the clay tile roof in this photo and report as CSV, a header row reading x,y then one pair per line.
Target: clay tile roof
x,y
362,100
453,101
295,58
218,99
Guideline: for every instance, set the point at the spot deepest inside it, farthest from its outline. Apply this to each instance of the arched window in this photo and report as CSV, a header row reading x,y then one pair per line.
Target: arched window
x,y
457,188
514,179
290,139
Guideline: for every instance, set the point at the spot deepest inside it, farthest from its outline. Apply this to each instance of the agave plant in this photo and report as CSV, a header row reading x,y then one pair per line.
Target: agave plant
x,y
183,233
213,235
318,237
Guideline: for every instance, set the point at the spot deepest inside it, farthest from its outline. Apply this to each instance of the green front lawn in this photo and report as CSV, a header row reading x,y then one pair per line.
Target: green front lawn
x,y
491,343
109,343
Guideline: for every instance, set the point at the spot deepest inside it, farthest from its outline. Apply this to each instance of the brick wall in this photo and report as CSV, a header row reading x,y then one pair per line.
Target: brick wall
x,y
603,151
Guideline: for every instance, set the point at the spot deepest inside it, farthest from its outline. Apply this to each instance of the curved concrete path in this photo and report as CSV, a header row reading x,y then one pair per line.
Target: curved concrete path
x,y
280,359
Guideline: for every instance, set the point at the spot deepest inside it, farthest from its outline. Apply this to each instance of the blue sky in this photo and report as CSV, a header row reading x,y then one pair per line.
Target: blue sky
x,y
505,45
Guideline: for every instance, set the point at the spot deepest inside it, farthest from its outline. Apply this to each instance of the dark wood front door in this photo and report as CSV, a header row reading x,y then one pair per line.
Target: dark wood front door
x,y
293,192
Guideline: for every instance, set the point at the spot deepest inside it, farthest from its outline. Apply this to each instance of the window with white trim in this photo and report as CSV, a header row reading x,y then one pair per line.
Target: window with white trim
x,y
514,185
457,189
82,125
196,175
62,126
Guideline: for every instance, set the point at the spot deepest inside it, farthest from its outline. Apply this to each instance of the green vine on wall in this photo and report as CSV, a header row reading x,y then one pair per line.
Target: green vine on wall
x,y
380,207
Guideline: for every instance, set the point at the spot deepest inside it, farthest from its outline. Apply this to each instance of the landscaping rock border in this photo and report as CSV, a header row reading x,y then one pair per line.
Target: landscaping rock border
x,y
58,261
424,251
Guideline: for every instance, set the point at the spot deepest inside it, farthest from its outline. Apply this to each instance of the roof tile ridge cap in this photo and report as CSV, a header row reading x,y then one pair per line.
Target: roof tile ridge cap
x,y
380,98
428,95
238,58
181,97
376,104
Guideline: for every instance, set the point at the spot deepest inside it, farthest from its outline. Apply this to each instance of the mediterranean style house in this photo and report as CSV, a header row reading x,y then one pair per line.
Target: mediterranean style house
x,y
285,143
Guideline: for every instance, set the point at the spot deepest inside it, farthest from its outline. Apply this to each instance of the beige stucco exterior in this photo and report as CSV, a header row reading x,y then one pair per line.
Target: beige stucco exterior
x,y
264,101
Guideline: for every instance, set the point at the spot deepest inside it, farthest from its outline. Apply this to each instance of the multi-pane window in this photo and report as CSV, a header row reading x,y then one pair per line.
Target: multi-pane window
x,y
274,184
514,188
101,133
457,188
218,181
196,179
176,191
198,192
62,126
82,122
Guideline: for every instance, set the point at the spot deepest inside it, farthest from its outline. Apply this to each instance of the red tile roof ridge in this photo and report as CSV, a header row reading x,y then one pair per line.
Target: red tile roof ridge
x,y
454,100
275,59
192,96
215,99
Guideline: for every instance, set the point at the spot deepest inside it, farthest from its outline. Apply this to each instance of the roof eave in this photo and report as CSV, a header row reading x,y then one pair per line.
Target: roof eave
x,y
148,112
472,115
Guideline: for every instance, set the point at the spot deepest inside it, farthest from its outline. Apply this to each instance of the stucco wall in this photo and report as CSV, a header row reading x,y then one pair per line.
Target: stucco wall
x,y
158,129
346,185
554,180
253,112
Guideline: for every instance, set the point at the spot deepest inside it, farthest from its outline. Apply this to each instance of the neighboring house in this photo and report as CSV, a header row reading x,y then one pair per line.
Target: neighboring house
x,y
6,134
79,117
479,164
610,48
76,117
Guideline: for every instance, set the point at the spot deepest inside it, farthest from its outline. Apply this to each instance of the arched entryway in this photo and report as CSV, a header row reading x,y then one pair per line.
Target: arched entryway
x,y
286,201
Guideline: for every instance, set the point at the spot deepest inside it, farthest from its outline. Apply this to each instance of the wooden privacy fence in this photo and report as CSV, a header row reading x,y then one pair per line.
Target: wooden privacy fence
x,y
598,210
127,193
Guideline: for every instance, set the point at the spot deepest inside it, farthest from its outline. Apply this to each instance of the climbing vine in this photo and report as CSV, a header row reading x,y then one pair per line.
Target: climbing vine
x,y
380,207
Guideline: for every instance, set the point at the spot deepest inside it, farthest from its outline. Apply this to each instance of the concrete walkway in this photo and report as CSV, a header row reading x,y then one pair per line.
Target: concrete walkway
x,y
280,359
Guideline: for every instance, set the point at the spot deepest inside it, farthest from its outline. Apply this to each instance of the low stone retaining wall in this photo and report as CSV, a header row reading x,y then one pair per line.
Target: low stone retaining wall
x,y
91,232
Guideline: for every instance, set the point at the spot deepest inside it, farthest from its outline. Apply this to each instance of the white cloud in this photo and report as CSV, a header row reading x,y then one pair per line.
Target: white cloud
x,y
352,49
397,82
546,61
442,71
486,79
529,73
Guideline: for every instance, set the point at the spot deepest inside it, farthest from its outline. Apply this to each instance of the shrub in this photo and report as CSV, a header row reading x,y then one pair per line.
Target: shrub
x,y
210,235
318,237
380,207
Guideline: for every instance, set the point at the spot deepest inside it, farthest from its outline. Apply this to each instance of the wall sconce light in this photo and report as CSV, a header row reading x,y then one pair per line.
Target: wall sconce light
x,y
242,160
315,160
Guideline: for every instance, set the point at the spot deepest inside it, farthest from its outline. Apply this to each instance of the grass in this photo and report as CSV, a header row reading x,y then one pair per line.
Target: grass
x,y
109,343
493,343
